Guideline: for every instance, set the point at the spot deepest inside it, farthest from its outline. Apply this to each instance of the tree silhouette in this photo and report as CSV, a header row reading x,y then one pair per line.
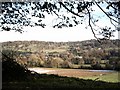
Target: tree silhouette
x,y
11,70
16,15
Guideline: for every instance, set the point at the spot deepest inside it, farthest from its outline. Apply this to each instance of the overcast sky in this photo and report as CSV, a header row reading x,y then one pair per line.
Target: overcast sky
x,y
78,33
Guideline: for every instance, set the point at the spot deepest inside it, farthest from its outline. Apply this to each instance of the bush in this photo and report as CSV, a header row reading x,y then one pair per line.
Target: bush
x,y
96,66
11,70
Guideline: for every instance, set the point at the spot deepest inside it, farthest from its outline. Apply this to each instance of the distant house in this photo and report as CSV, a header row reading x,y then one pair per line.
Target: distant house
x,y
104,61
79,57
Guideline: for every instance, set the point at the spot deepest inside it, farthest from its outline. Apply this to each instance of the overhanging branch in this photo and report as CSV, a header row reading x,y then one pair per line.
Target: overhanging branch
x,y
91,25
70,10
106,13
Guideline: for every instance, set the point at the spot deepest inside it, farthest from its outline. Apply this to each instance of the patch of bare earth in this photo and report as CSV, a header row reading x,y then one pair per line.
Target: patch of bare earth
x,y
76,73
69,72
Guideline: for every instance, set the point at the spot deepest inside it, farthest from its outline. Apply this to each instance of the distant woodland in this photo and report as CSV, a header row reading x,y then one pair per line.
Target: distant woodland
x,y
89,54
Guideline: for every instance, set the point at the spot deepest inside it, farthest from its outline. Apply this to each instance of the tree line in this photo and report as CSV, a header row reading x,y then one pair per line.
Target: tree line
x,y
86,54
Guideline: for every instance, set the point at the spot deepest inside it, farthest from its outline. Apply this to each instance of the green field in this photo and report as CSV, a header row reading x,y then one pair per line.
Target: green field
x,y
112,77
55,50
54,82
84,74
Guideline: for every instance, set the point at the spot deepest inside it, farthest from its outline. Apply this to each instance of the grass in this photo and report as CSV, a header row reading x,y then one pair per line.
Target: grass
x,y
112,77
55,50
81,73
16,77
54,81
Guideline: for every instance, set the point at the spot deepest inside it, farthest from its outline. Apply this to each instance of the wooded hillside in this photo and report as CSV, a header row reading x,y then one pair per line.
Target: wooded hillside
x,y
85,54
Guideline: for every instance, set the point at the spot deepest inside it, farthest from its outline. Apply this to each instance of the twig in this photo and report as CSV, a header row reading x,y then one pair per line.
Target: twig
x,y
106,13
70,10
110,4
112,23
94,82
56,13
91,26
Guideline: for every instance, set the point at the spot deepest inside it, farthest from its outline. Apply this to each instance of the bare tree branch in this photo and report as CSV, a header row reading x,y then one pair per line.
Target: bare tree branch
x,y
70,10
110,5
106,13
91,25
112,23
55,13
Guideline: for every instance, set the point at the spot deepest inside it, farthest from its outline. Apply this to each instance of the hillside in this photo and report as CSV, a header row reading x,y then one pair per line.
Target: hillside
x,y
85,54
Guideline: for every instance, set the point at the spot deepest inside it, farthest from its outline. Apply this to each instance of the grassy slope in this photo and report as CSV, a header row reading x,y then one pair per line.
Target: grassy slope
x,y
107,77
113,77
53,81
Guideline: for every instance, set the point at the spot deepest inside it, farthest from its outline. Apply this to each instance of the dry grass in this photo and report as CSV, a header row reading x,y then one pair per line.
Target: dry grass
x,y
84,74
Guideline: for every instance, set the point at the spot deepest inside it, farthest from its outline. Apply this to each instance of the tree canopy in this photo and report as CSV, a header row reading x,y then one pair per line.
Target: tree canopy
x,y
16,15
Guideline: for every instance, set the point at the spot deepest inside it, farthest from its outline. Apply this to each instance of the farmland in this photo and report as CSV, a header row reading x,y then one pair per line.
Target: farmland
x,y
101,75
87,54
59,65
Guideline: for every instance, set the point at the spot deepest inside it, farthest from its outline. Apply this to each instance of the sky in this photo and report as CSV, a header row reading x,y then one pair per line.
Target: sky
x,y
48,34
78,33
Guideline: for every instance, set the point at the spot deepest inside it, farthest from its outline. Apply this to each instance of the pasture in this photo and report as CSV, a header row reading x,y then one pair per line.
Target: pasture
x,y
54,78
107,76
